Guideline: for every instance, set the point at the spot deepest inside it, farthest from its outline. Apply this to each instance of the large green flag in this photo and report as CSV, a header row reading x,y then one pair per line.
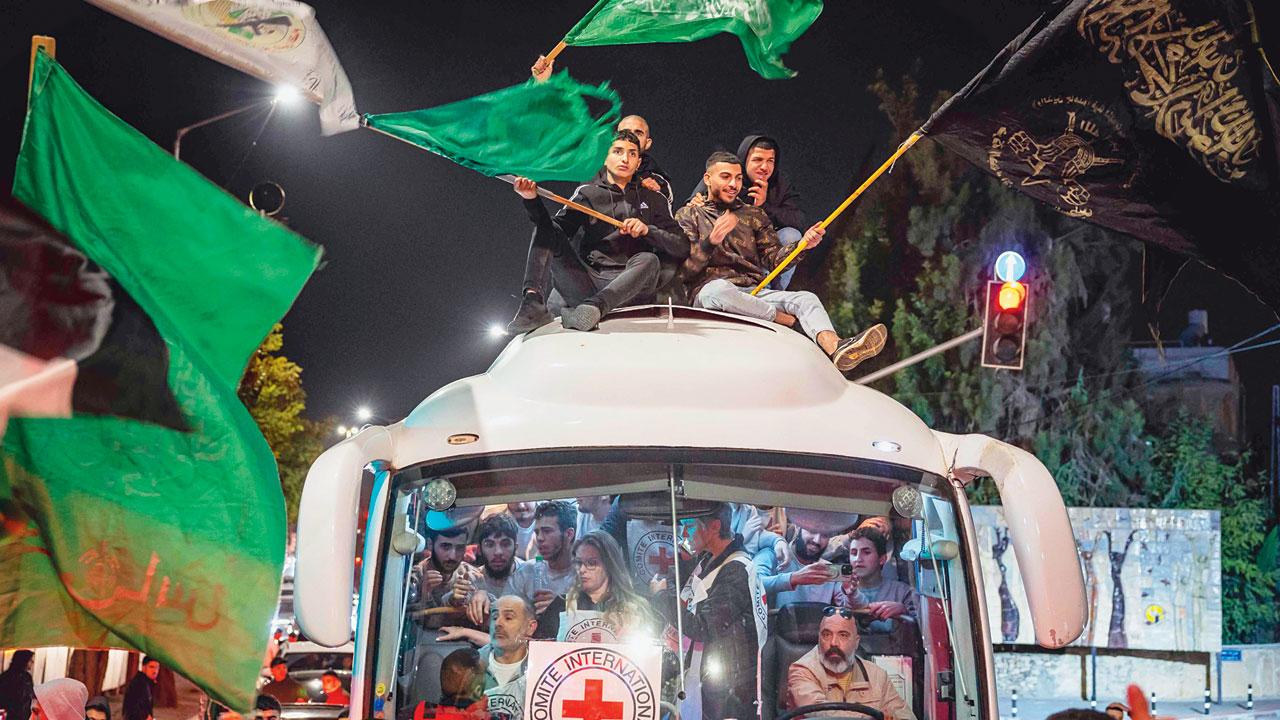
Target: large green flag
x,y
766,27
541,130
125,525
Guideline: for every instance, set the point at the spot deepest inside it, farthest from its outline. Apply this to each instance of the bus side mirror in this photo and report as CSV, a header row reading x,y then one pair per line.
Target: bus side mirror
x,y
327,517
1039,531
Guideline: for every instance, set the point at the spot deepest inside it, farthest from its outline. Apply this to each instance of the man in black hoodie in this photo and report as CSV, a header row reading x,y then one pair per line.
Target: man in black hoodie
x,y
613,266
769,189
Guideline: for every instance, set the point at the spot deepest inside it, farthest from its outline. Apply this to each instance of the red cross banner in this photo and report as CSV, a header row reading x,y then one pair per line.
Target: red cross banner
x,y
576,681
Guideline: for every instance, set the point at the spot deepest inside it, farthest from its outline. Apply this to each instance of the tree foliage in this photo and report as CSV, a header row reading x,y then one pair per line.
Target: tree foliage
x,y
917,254
272,391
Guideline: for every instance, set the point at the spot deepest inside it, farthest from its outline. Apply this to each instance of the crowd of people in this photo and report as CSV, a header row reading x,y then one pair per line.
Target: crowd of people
x,y
585,570
739,224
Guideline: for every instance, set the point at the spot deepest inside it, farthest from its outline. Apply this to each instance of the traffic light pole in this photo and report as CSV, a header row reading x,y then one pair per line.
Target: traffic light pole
x,y
919,357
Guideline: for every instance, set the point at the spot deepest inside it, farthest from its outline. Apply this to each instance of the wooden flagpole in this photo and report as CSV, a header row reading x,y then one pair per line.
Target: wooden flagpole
x,y
512,179
915,136
39,41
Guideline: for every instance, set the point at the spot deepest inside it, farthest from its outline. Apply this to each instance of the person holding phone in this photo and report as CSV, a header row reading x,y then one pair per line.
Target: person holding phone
x,y
805,577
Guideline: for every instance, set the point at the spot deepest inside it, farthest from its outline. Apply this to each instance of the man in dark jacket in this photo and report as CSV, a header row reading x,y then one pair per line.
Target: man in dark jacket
x,y
722,606
649,173
733,247
768,188
613,266
139,692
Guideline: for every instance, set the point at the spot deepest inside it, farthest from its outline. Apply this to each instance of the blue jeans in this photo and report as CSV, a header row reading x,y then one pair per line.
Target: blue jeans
x,y
786,236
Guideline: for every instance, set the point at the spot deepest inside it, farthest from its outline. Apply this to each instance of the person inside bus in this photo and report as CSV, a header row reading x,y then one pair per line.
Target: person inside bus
x,y
805,577
868,590
461,689
496,538
542,581
724,612
839,545
334,694
592,511
522,514
603,588
437,572
831,672
733,246
616,265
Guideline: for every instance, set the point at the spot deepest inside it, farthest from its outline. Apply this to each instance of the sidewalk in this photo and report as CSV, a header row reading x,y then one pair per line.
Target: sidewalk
x,y
1179,709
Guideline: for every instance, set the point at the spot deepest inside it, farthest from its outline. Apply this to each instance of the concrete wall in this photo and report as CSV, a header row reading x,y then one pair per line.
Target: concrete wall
x,y
1054,675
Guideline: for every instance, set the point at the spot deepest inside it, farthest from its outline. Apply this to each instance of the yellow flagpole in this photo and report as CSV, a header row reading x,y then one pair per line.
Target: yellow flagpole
x,y
39,41
915,136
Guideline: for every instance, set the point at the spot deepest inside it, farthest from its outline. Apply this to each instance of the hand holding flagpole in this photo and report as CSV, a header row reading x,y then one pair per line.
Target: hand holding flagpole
x,y
543,192
915,136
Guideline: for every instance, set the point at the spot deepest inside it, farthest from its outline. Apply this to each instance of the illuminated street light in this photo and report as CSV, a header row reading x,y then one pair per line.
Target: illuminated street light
x,y
364,414
496,331
287,94
342,429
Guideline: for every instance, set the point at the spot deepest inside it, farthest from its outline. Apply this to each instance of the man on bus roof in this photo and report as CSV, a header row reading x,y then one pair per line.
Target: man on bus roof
x,y
614,265
733,246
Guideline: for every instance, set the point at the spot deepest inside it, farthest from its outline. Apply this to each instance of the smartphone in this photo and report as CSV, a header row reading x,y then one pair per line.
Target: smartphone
x,y
840,572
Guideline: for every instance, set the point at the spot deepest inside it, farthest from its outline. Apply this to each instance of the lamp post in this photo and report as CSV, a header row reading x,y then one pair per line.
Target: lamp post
x,y
284,93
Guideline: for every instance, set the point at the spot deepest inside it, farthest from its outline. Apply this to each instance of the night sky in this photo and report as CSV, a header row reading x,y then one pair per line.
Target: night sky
x,y
423,255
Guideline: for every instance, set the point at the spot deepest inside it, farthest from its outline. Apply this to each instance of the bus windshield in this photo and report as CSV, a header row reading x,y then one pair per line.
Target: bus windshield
x,y
565,585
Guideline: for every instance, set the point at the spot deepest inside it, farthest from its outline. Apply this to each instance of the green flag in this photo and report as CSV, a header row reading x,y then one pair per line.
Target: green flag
x,y
119,527
766,27
541,130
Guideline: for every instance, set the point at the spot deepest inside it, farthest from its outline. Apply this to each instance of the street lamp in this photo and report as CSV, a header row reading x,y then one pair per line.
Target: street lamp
x,y
364,414
496,331
285,94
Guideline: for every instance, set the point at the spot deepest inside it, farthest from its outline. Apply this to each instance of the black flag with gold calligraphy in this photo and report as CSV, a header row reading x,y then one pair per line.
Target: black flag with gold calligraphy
x,y
1155,118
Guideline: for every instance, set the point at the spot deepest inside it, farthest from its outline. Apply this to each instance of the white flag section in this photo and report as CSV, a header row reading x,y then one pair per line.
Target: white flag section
x,y
278,41
31,387
574,680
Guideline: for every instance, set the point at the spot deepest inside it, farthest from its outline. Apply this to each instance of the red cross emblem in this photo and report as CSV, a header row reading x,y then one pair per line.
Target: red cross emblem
x,y
661,560
592,706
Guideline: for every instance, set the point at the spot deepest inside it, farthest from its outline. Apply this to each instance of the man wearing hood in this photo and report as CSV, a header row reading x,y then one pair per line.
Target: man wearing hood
x,y
613,266
733,246
768,188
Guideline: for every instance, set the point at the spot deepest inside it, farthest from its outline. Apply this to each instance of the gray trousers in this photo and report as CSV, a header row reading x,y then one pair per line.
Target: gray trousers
x,y
725,296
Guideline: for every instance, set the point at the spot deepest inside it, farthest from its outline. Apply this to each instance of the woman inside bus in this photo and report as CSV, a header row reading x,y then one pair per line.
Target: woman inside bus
x,y
603,605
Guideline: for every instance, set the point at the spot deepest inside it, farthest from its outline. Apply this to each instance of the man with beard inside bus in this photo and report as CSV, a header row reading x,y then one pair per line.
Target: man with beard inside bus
x,y
496,537
438,571
831,672
546,580
806,577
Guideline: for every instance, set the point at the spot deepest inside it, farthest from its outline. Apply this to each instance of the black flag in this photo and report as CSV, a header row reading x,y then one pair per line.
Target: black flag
x,y
1155,118
54,303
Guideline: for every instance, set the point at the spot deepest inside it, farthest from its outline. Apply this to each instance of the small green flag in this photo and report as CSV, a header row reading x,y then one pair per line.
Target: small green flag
x,y
117,531
766,27
540,130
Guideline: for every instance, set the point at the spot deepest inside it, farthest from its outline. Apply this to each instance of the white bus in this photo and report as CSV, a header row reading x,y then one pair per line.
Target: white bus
x,y
671,411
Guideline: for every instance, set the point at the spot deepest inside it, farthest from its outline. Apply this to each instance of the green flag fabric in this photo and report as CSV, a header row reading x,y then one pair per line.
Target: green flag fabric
x,y
766,27
114,531
540,130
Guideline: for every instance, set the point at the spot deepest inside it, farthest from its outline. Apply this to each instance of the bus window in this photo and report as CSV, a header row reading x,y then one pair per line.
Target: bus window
x,y
749,590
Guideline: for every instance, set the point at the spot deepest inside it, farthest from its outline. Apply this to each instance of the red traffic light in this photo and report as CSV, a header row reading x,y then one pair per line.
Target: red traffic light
x,y
1012,294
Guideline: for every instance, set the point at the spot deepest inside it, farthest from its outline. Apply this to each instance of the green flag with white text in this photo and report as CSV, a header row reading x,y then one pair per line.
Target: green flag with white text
x,y
766,27
150,515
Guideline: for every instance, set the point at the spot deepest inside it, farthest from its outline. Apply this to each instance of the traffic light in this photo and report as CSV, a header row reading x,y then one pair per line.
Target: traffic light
x,y
1004,329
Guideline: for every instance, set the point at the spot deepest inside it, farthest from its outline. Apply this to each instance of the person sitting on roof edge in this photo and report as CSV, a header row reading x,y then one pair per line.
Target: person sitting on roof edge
x,y
733,248
617,265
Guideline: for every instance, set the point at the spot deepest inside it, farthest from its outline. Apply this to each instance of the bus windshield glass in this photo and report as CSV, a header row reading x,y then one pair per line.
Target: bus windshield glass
x,y
566,585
